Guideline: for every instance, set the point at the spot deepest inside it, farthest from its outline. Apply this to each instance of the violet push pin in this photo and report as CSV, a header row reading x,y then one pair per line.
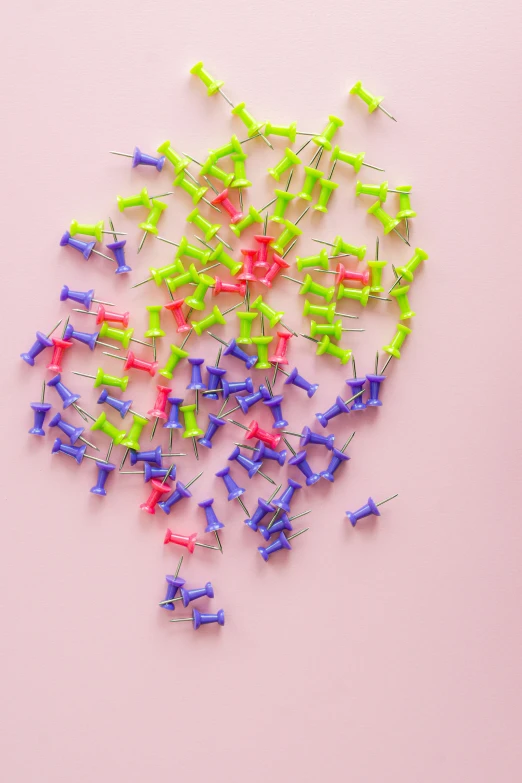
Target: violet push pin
x,y
76,452
140,158
67,396
251,466
181,492
301,462
198,618
264,507
369,508
196,382
297,380
308,437
104,470
233,489
281,542
357,387
337,458
150,472
174,582
236,387
275,403
122,406
40,412
85,248
262,452
215,374
284,501
72,432
173,422
245,403
283,523
213,525
87,338
214,423
84,298
187,596
233,349
117,248
375,381
154,456
41,343
339,406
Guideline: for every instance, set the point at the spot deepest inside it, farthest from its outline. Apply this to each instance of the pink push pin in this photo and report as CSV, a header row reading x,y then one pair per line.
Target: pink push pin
x,y
159,488
158,411
347,274
59,347
106,315
220,287
262,260
222,198
279,357
132,362
181,322
190,542
278,263
249,259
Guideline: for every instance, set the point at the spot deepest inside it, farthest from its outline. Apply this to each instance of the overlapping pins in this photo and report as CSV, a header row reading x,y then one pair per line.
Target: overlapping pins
x,y
258,265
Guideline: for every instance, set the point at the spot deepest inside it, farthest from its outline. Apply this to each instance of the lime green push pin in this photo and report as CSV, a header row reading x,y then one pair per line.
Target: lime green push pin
x,y
324,139
189,187
262,344
179,162
209,229
319,261
123,336
288,131
252,125
405,211
379,192
408,270
191,276
176,355
334,330
220,256
161,274
191,425
104,425
309,286
376,267
326,346
283,199
312,176
104,379
186,249
372,101
141,199
246,322
401,295
213,85
360,295
327,188
240,179
250,218
273,316
324,311
197,299
396,344
215,317
342,248
132,441
233,146
91,230
388,222
289,233
150,225
154,329
356,160
287,161
210,169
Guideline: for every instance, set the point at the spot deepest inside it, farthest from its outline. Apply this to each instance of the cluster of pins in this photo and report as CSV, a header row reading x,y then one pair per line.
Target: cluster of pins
x,y
220,181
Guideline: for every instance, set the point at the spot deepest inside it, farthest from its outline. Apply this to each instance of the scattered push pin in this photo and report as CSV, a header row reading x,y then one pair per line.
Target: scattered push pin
x,y
40,344
73,433
95,230
174,582
104,379
408,270
189,542
180,493
388,222
150,472
301,462
67,396
85,248
158,409
283,502
187,596
106,315
213,525
233,489
354,159
251,466
82,297
264,507
372,101
159,488
337,459
76,452
281,542
308,437
214,424
139,158
91,339
40,412
199,618
104,471
150,224
173,422
340,406
132,362
369,508
283,523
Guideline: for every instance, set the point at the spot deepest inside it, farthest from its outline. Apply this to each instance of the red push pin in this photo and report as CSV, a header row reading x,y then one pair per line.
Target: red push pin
x,y
175,308
106,315
221,287
59,347
158,411
132,362
278,263
279,357
262,259
347,274
222,198
271,439
159,488
249,259
187,541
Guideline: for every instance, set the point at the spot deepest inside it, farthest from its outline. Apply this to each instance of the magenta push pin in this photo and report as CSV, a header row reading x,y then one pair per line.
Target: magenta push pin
x,y
140,158
369,508
222,199
213,525
199,618
85,248
40,344
281,542
158,409
40,412
104,470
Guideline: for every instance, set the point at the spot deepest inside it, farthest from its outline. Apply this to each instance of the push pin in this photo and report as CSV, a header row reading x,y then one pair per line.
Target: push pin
x,y
199,618
372,101
85,248
334,330
281,542
209,229
215,375
326,346
87,338
123,336
215,317
251,466
388,222
401,296
357,387
289,233
60,345
82,297
196,193
213,525
221,287
339,406
175,308
325,311
262,452
139,158
190,542
159,488
132,440
376,267
191,425
106,315
283,523
67,396
132,362
200,592
252,125
252,216
408,270
375,381
308,438
289,160
262,343
150,225
158,409
180,493
283,502
73,433
337,459
76,452
174,582
371,507
356,160
117,248
394,347
95,230
275,403
264,508
233,349
240,178
325,138
301,462
104,379
233,489
41,343
40,412
150,472
214,423
212,85
223,200
380,192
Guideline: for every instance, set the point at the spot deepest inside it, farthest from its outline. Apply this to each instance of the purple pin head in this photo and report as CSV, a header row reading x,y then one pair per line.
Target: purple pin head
x,y
262,510
213,522
199,619
365,511
233,349
336,409
283,523
308,437
283,502
234,491
192,595
297,380
281,542
173,585
262,452
117,249
153,455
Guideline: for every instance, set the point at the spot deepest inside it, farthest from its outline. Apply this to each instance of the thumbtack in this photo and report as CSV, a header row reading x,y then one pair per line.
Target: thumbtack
x,y
212,85
72,432
340,406
210,169
342,248
408,270
200,592
252,216
103,379
253,126
233,349
176,355
187,541
132,362
296,379
222,198
372,101
150,224
209,230
82,297
159,488
174,582
356,160
281,542
91,229
85,248
283,523
233,489
300,461
357,387
360,295
334,330
325,138
41,343
401,296
337,459
369,508
308,438
326,346
191,425
388,222
220,286
104,471
289,233
240,179
196,193
123,336
199,618
215,374
252,467
106,315
181,492
308,285
379,192
150,472
396,343
288,131
59,347
376,267
264,508
139,158
76,452
325,311
375,381
288,160
40,412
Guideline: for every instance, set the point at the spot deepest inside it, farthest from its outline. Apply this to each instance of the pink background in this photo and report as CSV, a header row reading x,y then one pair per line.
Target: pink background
x,y
389,653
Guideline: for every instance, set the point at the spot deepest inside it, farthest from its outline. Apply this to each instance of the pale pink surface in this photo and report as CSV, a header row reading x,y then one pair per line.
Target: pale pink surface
x,y
389,653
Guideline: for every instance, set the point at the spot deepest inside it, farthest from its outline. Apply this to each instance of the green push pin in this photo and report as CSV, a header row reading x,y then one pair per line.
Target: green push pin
x,y
240,178
232,147
123,336
372,101
209,229
288,131
334,330
246,322
150,225
104,425
220,256
287,161
326,346
176,355
250,218
141,199
360,295
191,425
103,379
197,300
327,188
289,233
216,317
132,441
191,251
405,211
210,169
179,162
282,200
320,260
191,276
376,267
154,329
312,176
401,295
213,85
379,192
262,344
161,274
273,316
397,342
91,230
324,311
408,271
356,160
309,286
196,193
324,139
388,222
252,125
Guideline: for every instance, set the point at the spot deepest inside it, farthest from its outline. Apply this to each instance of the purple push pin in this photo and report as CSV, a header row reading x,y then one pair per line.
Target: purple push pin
x,y
274,403
249,465
82,297
215,374
233,489
196,381
338,457
104,469
198,619
369,508
309,437
375,380
297,380
152,455
117,249
262,452
300,461
247,402
76,452
72,432
264,507
283,523
68,398
140,158
40,412
214,423
284,501
85,248
173,422
181,492
199,592
233,349
281,542
87,338
174,582
213,523
122,406
335,410
150,472
236,387
40,344
357,387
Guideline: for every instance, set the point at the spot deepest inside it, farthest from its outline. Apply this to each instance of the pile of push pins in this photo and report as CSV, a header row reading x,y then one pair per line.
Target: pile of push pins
x,y
186,281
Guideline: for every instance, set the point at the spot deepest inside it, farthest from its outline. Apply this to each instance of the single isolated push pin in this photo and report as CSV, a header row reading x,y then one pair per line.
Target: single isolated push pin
x,y
40,412
369,508
140,158
372,101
